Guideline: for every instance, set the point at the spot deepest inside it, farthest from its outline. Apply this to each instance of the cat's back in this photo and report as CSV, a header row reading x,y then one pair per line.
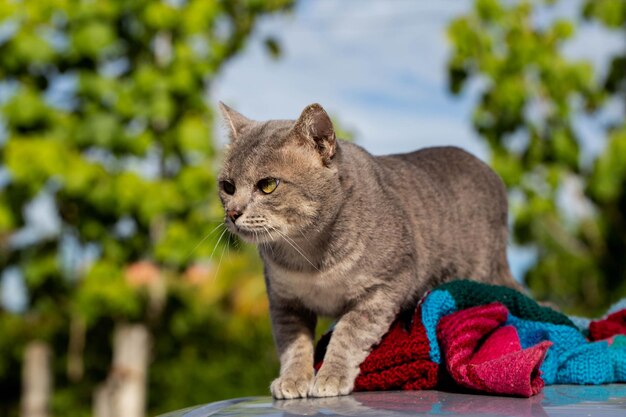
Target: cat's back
x,y
445,170
457,206
440,174
446,160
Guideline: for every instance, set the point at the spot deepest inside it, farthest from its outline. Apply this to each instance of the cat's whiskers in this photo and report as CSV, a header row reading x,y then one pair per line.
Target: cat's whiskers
x,y
307,240
204,239
269,234
217,243
217,270
294,245
291,240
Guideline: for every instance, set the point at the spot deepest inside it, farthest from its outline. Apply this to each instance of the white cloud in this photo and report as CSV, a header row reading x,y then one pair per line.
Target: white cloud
x,y
380,68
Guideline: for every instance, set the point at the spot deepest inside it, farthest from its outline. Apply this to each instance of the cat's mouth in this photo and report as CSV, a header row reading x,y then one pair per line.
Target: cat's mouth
x,y
254,235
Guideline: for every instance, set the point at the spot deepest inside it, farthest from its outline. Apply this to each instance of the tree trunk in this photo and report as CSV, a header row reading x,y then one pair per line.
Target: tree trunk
x,y
76,349
36,380
124,392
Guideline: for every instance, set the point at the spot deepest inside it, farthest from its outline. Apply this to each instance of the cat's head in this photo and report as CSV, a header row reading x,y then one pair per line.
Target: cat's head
x,y
279,179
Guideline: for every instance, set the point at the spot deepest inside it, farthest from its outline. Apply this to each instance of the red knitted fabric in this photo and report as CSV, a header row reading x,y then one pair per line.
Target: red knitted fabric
x,y
399,361
613,325
482,355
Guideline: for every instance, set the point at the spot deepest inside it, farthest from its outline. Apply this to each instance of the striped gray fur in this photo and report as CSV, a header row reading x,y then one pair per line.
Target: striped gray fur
x,y
354,236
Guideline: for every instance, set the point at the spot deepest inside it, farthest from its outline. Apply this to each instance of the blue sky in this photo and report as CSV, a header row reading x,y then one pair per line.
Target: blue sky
x,y
379,67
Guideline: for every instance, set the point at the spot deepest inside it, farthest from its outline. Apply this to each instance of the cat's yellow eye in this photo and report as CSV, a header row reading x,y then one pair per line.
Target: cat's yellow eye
x,y
268,185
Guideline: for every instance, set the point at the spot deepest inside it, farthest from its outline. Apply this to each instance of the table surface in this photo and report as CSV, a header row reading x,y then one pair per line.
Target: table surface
x,y
555,400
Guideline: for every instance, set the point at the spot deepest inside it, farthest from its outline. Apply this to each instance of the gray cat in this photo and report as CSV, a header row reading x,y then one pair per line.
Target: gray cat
x,y
349,235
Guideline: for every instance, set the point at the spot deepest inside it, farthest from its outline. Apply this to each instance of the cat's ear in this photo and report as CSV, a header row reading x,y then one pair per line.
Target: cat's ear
x,y
235,121
314,125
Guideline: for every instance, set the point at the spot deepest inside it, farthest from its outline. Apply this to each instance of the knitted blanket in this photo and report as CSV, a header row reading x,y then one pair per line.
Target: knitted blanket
x,y
465,335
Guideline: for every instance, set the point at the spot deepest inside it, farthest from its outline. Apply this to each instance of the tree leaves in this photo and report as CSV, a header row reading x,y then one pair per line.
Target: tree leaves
x,y
527,114
106,114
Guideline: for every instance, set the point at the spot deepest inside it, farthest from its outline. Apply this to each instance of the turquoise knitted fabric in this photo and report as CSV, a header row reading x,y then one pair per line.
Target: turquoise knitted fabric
x,y
617,350
571,359
436,305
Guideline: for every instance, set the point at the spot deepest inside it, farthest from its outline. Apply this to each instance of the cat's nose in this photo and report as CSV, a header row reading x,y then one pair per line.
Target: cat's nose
x,y
234,214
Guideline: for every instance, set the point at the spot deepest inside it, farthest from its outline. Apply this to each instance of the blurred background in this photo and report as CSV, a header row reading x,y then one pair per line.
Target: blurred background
x,y
122,294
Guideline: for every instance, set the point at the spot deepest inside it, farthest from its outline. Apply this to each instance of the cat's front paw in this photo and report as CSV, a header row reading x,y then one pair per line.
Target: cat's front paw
x,y
289,386
331,384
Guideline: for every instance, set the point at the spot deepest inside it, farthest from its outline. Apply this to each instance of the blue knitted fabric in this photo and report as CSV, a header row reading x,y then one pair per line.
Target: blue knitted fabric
x,y
436,305
618,357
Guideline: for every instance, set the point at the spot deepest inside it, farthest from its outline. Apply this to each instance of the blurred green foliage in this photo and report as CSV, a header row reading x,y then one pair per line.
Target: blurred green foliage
x,y
104,110
567,203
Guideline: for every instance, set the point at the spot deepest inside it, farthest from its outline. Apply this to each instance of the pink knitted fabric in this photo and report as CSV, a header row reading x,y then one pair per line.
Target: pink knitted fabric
x,y
482,354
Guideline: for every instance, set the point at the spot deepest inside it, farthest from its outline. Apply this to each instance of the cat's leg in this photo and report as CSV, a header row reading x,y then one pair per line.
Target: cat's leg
x,y
294,331
353,337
